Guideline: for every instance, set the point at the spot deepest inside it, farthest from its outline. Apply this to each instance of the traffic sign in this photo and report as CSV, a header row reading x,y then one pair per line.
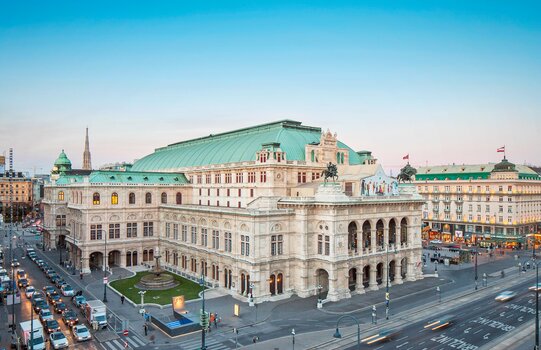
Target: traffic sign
x,y
125,332
105,280
386,296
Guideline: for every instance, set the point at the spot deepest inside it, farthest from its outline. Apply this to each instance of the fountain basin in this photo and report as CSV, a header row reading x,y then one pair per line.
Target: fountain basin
x,y
154,281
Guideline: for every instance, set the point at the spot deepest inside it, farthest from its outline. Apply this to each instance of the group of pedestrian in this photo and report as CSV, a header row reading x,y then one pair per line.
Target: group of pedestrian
x,y
214,320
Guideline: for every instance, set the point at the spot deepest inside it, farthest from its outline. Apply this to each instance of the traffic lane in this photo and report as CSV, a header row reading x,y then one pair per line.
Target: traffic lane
x,y
39,280
475,325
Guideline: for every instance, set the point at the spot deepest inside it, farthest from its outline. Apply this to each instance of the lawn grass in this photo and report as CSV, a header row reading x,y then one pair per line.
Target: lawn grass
x,y
127,287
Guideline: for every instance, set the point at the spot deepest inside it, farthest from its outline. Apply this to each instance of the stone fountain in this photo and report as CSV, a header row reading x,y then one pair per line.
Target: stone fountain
x,y
157,280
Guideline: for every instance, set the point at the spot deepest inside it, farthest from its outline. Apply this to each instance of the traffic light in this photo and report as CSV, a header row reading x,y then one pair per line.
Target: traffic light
x,y
204,319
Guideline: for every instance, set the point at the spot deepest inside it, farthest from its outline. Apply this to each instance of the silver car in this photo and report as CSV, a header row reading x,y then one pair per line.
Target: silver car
x,y
58,340
80,332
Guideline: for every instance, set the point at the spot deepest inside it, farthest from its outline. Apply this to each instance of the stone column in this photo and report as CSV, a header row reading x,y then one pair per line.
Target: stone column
x,y
373,283
373,240
85,259
398,272
338,286
410,274
359,286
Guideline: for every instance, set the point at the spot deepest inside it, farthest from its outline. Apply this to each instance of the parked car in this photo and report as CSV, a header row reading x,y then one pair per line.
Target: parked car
x,y
70,317
67,291
45,314
51,326
59,282
58,340
80,332
55,278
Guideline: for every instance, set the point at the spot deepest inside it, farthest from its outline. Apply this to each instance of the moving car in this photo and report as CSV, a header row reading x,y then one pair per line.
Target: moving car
x,y
40,304
48,289
441,322
15,263
22,283
29,291
79,301
67,291
21,274
55,298
60,307
45,314
51,326
382,336
80,332
58,340
506,296
70,317
535,288
59,282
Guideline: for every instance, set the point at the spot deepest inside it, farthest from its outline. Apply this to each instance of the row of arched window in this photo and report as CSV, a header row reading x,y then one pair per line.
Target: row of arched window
x,y
96,198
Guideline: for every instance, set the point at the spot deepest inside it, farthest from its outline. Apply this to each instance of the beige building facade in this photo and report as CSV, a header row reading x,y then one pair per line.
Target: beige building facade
x,y
250,210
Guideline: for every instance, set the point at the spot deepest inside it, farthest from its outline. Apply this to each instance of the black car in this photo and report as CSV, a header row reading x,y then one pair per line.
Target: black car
x,y
49,290
40,304
55,278
55,298
22,283
70,317
52,326
60,307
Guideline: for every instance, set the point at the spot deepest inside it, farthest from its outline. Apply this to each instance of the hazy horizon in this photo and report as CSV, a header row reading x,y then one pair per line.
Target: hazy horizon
x,y
445,82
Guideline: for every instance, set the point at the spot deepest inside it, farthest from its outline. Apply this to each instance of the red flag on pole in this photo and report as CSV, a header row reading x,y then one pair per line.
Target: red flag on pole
x,y
501,149
407,156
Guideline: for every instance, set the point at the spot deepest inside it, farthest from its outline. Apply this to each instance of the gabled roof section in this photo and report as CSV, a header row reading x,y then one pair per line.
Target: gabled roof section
x,y
126,177
236,146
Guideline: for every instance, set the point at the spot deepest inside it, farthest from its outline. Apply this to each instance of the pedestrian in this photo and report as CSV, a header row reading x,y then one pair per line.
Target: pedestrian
x,y
122,299
81,275
255,339
212,318
216,320
146,329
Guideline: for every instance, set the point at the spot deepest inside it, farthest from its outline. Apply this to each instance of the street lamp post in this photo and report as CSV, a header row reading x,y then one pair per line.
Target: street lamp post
x,y
536,306
338,335
293,340
387,295
476,253
105,263
202,284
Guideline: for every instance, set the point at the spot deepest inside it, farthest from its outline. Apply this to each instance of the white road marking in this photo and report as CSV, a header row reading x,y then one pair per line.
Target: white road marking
x,y
402,338
478,331
486,336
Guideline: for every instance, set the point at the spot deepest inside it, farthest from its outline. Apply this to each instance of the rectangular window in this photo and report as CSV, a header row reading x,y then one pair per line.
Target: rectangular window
x,y
509,188
327,245
500,219
509,220
301,177
227,178
509,209
199,179
487,208
228,246
500,188
208,178
447,188
95,232
459,188
215,239
244,245
204,237
217,178
487,218
251,192
459,217
208,191
470,217
114,231
131,229
240,178
479,218
478,208
251,177
200,192
167,230
175,231
60,220
148,229
263,176
184,233
228,192
277,244
217,192
500,209
320,244
470,207
194,235
447,216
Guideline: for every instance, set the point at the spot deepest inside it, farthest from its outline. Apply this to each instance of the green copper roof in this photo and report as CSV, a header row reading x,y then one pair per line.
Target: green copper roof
x,y
237,146
62,159
126,177
465,172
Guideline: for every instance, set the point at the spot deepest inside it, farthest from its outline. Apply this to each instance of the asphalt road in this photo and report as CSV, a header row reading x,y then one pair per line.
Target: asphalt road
x,y
475,324
38,279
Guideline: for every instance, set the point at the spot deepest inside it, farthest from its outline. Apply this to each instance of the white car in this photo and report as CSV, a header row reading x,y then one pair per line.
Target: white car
x,y
58,340
29,291
67,291
45,315
506,296
15,263
80,332
535,288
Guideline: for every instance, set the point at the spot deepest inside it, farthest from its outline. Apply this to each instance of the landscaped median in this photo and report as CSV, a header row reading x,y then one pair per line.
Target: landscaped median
x,y
126,286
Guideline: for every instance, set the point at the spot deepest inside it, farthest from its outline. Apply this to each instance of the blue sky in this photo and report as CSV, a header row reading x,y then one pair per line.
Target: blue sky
x,y
445,81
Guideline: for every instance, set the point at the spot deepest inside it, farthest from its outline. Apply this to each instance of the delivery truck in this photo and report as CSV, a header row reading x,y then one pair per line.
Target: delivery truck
x,y
31,332
96,313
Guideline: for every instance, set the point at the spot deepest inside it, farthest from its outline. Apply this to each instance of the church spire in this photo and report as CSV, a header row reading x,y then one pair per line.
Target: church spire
x,y
87,164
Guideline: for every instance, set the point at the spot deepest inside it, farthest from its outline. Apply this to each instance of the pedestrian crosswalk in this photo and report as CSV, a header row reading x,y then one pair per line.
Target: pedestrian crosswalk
x,y
212,344
129,342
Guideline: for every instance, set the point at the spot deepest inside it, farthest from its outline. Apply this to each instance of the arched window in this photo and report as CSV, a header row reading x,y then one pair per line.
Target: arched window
x,y
61,195
179,198
131,198
164,198
96,198
313,155
114,198
148,198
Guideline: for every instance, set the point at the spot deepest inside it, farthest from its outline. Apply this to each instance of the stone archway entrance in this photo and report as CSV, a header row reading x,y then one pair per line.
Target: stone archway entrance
x,y
352,236
114,258
392,268
404,268
95,261
379,273
352,279
322,279
366,276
